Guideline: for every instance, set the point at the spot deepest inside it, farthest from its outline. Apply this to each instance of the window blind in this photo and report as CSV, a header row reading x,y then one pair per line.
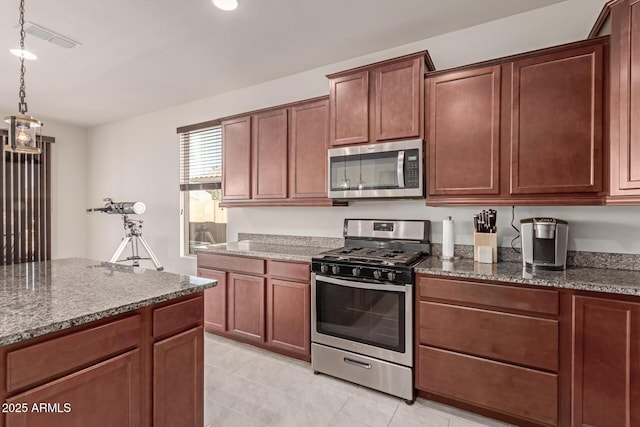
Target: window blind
x,y
201,159
25,196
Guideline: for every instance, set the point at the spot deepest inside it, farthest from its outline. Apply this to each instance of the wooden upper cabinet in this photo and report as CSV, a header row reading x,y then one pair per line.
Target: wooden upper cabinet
x,y
464,132
308,144
379,102
557,112
398,95
349,97
269,159
236,158
606,363
625,103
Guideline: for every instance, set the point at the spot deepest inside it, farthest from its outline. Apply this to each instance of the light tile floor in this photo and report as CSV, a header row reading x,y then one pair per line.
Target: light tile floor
x,y
246,386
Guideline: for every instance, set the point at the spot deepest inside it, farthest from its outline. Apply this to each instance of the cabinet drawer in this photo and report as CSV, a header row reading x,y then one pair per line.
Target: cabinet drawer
x,y
34,364
290,270
499,296
107,393
175,317
231,263
520,392
508,337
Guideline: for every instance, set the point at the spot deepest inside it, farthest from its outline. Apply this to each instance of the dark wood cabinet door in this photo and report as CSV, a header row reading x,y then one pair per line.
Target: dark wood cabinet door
x,y
625,99
398,97
178,380
108,394
464,132
308,144
513,390
557,135
270,155
215,301
236,159
606,363
246,304
349,108
288,315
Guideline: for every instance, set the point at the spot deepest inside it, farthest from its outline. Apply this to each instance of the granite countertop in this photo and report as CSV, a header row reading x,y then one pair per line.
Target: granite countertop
x,y
266,250
623,282
43,297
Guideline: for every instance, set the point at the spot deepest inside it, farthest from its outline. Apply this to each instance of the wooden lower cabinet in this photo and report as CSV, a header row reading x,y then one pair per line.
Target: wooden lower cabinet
x,y
145,368
490,347
606,363
178,383
520,392
106,394
215,301
512,338
246,297
262,302
289,323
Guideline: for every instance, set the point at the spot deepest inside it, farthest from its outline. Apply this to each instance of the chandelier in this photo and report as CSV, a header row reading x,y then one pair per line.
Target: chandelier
x,y
24,130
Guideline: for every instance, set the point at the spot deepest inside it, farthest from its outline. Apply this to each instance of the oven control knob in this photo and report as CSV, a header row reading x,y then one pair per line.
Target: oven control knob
x,y
335,269
324,268
391,275
377,274
355,271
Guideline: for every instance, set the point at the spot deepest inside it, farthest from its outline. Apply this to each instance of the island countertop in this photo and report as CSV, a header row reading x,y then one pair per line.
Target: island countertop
x,y
43,297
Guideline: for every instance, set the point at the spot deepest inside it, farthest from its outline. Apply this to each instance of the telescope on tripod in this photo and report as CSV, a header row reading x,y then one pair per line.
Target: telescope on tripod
x,y
133,231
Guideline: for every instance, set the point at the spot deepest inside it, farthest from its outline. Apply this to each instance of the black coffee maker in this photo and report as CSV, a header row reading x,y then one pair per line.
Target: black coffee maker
x,y
544,243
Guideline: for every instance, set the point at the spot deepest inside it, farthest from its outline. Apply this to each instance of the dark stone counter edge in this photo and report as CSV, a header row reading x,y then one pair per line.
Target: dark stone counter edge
x,y
575,285
87,318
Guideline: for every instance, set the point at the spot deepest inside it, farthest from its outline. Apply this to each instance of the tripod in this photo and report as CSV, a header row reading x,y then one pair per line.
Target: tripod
x,y
134,233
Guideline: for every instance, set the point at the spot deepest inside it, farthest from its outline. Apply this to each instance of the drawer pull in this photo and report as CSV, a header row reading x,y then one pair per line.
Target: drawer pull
x,y
357,363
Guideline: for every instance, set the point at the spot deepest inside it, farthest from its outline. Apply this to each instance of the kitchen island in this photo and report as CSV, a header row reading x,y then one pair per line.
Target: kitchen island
x,y
84,342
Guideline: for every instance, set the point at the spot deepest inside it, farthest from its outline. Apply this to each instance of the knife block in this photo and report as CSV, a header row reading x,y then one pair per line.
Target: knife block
x,y
485,239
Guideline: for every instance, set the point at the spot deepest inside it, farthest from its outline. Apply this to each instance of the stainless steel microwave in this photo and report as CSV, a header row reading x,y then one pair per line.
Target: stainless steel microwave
x,y
389,169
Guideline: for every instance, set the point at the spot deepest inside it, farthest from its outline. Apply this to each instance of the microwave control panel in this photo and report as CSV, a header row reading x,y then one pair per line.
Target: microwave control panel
x,y
412,169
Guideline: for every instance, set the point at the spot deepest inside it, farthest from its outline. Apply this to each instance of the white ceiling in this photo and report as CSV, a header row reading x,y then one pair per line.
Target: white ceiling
x,y
139,56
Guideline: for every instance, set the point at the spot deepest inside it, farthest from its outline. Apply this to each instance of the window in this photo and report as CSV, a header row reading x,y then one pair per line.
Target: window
x,y
25,194
204,222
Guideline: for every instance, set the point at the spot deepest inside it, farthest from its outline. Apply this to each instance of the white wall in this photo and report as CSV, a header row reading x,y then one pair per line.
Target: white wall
x,y
68,190
137,159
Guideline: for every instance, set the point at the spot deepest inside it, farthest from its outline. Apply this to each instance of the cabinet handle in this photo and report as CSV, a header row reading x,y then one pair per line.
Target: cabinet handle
x,y
357,363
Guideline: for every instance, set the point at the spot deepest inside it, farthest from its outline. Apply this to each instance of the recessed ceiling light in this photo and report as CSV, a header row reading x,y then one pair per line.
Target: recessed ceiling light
x,y
226,4
23,53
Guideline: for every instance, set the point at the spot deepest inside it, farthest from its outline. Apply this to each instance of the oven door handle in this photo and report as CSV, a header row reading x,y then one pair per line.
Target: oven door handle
x,y
362,285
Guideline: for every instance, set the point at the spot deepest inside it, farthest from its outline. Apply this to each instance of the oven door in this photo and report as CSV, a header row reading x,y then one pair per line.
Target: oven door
x,y
371,319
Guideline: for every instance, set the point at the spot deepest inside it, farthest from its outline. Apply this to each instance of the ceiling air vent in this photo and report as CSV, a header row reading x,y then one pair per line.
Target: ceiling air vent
x,y
48,35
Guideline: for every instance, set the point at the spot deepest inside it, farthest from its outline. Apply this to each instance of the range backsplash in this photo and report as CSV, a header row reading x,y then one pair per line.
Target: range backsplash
x,y
616,261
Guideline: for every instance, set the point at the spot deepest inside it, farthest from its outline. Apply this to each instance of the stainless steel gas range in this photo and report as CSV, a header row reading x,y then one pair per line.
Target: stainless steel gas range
x,y
362,304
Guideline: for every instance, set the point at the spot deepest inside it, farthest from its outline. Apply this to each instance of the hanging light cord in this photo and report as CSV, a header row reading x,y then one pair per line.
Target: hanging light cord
x,y
513,216
22,105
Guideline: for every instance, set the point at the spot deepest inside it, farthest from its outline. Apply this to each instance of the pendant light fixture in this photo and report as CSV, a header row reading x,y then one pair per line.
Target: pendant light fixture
x,y
23,129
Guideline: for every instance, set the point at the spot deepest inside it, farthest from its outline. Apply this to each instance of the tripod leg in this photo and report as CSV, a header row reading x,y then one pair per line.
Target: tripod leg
x,y
134,251
118,251
151,254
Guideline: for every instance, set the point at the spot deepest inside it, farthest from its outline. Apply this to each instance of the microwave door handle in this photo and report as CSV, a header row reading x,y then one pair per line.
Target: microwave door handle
x,y
400,169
